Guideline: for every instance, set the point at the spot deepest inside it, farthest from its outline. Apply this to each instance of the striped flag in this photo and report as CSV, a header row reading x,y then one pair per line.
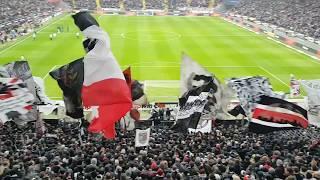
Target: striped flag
x,y
273,114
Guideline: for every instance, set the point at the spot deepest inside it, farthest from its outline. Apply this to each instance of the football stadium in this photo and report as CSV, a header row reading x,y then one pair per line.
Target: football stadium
x,y
160,89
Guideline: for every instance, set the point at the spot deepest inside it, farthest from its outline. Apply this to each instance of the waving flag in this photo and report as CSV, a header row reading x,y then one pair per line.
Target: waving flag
x,y
249,90
272,114
104,87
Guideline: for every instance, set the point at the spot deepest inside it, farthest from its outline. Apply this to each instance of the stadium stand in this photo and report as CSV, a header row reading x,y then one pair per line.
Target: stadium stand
x,y
18,17
200,4
296,15
110,4
133,4
86,4
154,4
229,152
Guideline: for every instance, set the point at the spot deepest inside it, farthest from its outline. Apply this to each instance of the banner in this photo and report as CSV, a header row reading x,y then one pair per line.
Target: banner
x,y
142,137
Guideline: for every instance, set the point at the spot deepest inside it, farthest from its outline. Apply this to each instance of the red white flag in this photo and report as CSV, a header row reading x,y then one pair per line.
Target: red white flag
x,y
104,85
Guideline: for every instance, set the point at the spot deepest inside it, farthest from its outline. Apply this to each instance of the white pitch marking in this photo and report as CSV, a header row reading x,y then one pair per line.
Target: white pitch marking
x,y
19,42
44,77
274,76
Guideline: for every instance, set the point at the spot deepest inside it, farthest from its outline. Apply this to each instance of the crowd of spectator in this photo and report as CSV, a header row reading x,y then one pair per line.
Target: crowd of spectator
x,y
85,4
229,152
133,4
18,17
110,4
155,4
301,16
200,3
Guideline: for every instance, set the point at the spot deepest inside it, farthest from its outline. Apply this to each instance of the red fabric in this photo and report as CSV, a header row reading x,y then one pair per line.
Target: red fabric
x,y
114,100
280,117
106,92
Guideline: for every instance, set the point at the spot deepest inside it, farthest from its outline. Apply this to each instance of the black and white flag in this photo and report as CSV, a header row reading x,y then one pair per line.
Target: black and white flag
x,y
192,105
15,101
249,90
274,114
194,75
21,70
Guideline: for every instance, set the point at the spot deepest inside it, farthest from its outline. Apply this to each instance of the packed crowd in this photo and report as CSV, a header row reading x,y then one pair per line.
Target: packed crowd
x,y
229,152
155,4
133,4
297,15
19,17
110,4
86,4
200,3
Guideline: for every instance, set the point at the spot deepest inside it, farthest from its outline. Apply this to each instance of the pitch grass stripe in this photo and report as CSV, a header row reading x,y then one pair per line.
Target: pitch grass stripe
x,y
28,36
274,76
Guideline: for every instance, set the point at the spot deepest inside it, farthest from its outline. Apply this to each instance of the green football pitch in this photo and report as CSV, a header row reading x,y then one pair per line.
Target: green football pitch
x,y
152,46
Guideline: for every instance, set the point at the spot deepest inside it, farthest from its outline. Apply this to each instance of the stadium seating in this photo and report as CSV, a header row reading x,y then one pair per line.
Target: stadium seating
x,y
19,16
110,4
296,15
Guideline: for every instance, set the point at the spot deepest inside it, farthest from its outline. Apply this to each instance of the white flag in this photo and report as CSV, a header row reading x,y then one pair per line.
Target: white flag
x,y
142,137
204,127
188,69
312,87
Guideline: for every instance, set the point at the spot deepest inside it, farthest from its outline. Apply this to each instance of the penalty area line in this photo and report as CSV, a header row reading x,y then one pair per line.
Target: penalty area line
x,y
44,77
273,75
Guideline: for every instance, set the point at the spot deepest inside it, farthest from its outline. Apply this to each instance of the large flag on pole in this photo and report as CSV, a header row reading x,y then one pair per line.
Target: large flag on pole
x,y
272,114
189,69
104,87
15,101
70,80
194,75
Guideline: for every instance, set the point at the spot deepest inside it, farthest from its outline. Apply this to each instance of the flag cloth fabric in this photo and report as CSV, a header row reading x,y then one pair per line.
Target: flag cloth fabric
x,y
190,68
204,127
194,75
192,106
15,101
21,70
294,87
70,80
312,88
237,110
103,87
249,90
272,114
142,137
